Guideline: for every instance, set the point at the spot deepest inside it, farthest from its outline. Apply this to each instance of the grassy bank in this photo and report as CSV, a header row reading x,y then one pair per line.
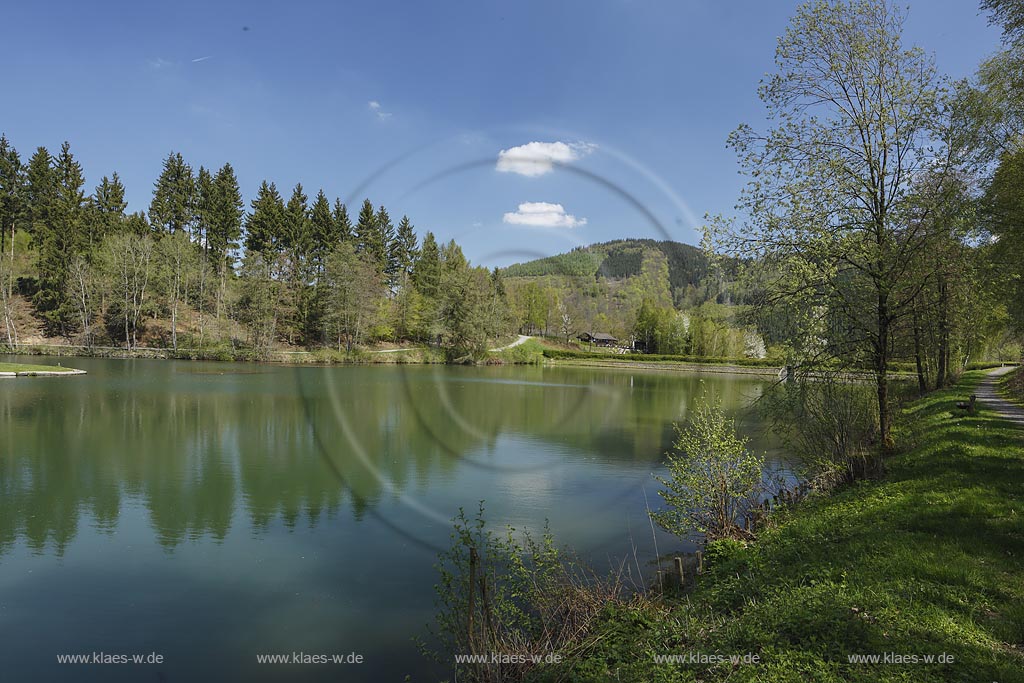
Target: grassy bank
x,y
926,561
18,368
1013,386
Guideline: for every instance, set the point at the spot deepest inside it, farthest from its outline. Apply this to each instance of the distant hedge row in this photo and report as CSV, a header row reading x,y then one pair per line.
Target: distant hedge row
x,y
564,354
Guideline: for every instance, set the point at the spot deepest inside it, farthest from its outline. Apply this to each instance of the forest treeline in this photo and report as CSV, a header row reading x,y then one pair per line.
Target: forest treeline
x,y
297,271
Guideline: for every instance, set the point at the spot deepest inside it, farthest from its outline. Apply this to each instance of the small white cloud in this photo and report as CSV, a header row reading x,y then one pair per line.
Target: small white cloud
x,y
538,158
375,107
543,215
160,63
201,59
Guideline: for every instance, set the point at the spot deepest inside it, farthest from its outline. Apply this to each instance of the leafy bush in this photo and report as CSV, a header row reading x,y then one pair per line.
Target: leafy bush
x,y
832,425
715,479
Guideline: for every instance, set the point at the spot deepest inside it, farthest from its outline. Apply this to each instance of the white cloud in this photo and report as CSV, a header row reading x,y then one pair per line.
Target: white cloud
x,y
375,107
543,215
538,158
160,63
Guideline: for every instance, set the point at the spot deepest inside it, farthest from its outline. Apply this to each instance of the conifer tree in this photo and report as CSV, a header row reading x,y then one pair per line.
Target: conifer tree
x,y
225,228
106,206
172,208
12,192
322,234
342,223
204,201
297,227
366,230
60,238
426,274
382,253
404,250
265,225
40,189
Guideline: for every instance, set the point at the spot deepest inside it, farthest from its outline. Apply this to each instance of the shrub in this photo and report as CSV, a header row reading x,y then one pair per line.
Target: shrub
x,y
832,425
715,479
514,599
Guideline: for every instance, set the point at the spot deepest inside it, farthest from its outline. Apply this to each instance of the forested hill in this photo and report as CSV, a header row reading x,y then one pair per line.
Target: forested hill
x,y
687,265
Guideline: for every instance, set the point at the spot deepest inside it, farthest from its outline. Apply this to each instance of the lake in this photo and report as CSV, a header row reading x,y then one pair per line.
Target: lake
x,y
210,512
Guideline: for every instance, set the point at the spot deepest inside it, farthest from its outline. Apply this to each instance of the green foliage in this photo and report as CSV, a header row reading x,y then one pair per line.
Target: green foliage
x,y
830,423
714,479
518,597
924,561
567,354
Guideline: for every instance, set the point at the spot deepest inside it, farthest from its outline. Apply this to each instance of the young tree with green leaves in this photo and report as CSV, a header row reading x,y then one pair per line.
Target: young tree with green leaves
x,y
177,269
355,288
830,192
714,477
126,264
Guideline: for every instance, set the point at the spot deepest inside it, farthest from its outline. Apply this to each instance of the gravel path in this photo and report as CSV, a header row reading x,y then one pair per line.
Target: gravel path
x,y
522,339
988,395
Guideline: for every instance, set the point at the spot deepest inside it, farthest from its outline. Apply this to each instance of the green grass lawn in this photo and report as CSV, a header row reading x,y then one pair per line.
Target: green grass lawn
x,y
21,367
926,561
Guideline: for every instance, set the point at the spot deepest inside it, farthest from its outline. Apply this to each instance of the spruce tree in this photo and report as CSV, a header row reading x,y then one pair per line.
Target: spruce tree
x,y
342,223
60,238
172,208
12,191
106,212
366,230
297,237
426,273
226,220
382,244
204,207
322,233
405,250
265,225
40,189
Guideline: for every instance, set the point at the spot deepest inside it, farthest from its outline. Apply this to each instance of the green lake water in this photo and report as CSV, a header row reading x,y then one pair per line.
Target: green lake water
x,y
210,512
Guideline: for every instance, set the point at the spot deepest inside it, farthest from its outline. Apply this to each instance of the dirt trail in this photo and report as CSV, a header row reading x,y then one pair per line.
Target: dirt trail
x,y
988,395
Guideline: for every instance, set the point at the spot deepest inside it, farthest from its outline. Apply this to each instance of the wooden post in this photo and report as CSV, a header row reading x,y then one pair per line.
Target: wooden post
x,y
486,608
473,560
973,408
660,578
679,568
700,562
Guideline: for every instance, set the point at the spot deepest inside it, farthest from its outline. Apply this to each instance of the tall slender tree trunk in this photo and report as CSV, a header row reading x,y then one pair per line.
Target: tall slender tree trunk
x,y
942,374
882,372
922,382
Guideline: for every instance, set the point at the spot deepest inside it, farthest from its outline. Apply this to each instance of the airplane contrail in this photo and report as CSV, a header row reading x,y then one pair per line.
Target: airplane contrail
x,y
201,59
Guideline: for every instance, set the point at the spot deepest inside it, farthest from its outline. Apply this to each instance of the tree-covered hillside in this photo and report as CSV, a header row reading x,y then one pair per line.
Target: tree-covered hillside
x,y
692,278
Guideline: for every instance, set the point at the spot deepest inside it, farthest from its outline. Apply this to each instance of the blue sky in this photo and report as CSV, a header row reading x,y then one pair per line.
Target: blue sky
x,y
411,103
